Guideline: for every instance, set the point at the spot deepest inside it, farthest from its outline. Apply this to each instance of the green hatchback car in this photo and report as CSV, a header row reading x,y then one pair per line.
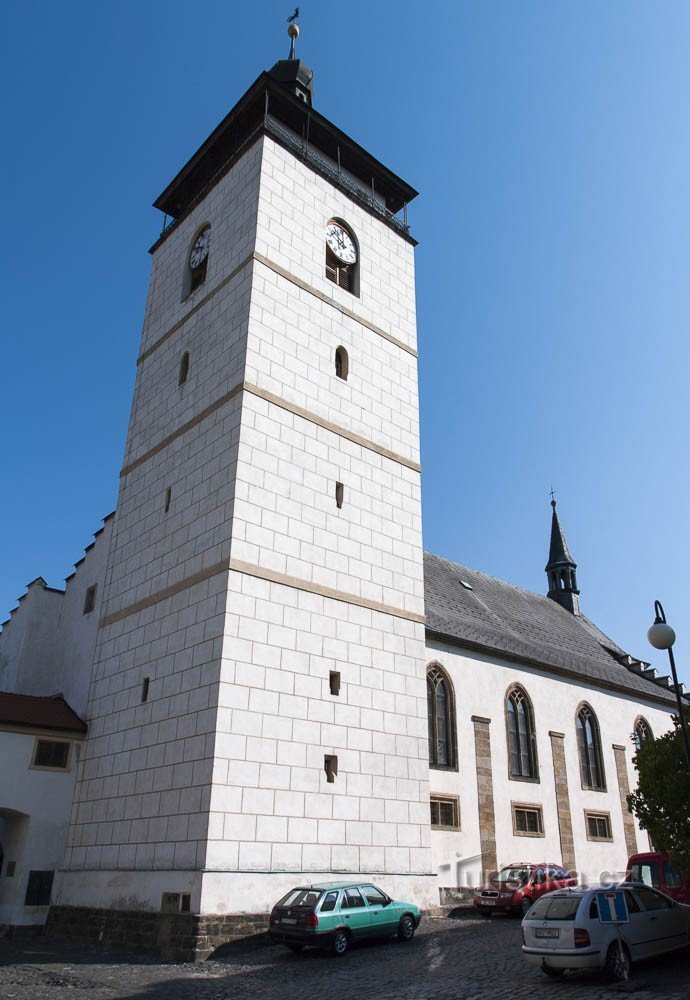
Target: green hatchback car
x,y
334,914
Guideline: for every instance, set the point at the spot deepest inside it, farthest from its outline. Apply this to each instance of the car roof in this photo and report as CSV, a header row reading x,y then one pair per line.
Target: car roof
x,y
582,890
334,885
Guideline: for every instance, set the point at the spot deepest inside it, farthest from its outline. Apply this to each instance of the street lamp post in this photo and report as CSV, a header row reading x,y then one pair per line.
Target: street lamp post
x,y
662,636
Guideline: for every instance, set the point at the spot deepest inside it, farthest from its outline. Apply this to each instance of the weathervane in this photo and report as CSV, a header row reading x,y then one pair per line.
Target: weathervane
x,y
553,497
293,32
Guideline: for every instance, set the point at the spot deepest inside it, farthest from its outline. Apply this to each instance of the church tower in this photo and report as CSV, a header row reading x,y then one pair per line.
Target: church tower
x,y
561,568
257,711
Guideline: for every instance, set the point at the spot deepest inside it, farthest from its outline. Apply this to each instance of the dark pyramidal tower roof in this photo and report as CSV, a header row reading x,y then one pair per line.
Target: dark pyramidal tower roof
x,y
561,569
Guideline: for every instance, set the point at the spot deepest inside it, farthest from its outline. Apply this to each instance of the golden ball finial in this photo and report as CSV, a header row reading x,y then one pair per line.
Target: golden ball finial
x,y
293,30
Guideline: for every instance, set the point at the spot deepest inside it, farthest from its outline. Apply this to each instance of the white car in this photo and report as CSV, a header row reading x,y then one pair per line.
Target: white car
x,y
563,931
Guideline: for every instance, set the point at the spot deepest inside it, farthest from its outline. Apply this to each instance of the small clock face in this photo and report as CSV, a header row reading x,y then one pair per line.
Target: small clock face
x,y
199,251
341,243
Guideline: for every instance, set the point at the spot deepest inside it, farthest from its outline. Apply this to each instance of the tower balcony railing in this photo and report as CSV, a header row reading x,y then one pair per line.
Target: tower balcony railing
x,y
333,172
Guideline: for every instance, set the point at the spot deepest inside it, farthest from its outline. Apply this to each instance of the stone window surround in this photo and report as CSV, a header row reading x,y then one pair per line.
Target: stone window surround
x,y
587,787
593,813
455,802
47,767
452,719
535,779
531,807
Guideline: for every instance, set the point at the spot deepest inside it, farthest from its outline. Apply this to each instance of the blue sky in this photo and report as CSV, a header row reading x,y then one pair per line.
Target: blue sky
x,y
549,141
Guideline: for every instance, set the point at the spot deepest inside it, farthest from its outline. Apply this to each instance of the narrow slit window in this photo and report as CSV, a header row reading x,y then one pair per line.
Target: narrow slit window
x,y
342,366
90,599
168,498
184,369
330,766
334,680
145,689
339,495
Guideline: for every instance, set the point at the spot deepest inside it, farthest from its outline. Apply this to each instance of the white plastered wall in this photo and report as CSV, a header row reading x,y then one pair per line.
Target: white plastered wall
x,y
480,684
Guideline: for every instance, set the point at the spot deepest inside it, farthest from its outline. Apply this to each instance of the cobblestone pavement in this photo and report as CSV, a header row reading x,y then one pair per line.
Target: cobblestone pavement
x,y
465,958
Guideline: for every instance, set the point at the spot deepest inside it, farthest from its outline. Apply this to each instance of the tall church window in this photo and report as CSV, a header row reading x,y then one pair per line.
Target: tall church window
x,y
197,261
642,732
589,748
342,257
522,738
441,718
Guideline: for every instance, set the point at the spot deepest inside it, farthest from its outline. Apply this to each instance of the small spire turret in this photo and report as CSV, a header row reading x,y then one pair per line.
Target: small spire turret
x,y
292,72
561,567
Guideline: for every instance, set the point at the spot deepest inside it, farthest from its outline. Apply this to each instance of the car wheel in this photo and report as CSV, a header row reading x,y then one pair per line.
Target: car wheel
x,y
296,948
617,964
340,943
550,971
525,906
406,928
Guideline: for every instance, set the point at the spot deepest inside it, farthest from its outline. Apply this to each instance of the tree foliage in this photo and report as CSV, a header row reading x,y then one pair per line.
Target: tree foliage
x,y
661,801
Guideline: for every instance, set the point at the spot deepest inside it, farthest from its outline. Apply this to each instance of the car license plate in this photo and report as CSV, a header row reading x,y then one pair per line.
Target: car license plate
x,y
288,920
552,932
488,902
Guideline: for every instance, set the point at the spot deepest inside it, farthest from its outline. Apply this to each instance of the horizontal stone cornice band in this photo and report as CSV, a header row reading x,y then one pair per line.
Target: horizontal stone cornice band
x,y
328,425
270,397
195,308
161,595
277,269
182,429
238,566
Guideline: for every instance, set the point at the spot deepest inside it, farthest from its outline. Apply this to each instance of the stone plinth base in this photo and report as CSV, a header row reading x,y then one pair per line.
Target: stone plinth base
x,y
177,937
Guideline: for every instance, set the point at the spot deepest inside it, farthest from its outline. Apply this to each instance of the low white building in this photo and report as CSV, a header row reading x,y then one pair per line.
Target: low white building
x,y
278,685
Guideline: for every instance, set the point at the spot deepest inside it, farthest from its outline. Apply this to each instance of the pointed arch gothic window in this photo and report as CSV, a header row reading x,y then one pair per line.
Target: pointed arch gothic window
x,y
642,732
589,748
441,717
522,737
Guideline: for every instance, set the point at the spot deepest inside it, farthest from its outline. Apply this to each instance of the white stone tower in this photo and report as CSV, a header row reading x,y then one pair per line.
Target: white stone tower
x,y
257,712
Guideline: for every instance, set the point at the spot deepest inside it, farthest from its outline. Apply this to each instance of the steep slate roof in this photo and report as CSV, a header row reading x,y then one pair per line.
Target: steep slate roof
x,y
30,712
503,619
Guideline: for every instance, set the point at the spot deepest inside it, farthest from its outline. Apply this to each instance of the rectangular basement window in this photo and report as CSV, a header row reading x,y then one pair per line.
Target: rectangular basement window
x,y
445,812
52,754
528,820
38,888
598,826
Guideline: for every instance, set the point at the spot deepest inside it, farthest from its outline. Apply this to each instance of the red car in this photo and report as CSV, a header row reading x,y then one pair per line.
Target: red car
x,y
659,871
517,886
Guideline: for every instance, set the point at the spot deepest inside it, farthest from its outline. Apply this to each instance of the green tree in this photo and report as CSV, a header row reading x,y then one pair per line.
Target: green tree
x,y
661,800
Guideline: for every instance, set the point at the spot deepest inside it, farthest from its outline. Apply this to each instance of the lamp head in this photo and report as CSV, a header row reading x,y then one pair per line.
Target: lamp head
x,y
661,635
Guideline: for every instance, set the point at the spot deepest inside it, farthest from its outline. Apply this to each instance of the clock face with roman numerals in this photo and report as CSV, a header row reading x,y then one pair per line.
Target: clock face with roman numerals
x,y
341,243
199,251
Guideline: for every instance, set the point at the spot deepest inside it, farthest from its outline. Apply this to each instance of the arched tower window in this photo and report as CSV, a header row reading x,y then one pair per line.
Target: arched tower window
x,y
342,363
184,369
522,738
342,256
441,717
589,748
197,261
642,732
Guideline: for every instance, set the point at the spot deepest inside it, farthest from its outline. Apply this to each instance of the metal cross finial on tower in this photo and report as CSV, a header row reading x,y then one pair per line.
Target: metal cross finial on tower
x,y
553,498
293,32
